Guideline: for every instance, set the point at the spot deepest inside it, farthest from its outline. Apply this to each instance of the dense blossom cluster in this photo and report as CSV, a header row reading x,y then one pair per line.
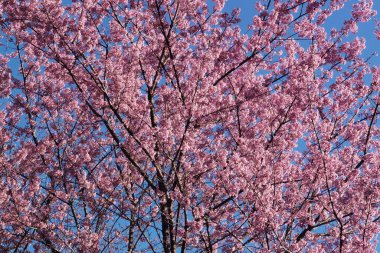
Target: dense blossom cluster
x,y
162,126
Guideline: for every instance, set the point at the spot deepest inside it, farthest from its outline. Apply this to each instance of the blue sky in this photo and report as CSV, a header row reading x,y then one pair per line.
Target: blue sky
x,y
335,21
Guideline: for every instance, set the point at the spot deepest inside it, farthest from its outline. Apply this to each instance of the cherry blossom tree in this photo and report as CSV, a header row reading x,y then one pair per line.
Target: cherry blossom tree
x,y
164,126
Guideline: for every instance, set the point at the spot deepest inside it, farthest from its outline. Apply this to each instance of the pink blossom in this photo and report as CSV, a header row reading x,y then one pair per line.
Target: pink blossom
x,y
163,126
